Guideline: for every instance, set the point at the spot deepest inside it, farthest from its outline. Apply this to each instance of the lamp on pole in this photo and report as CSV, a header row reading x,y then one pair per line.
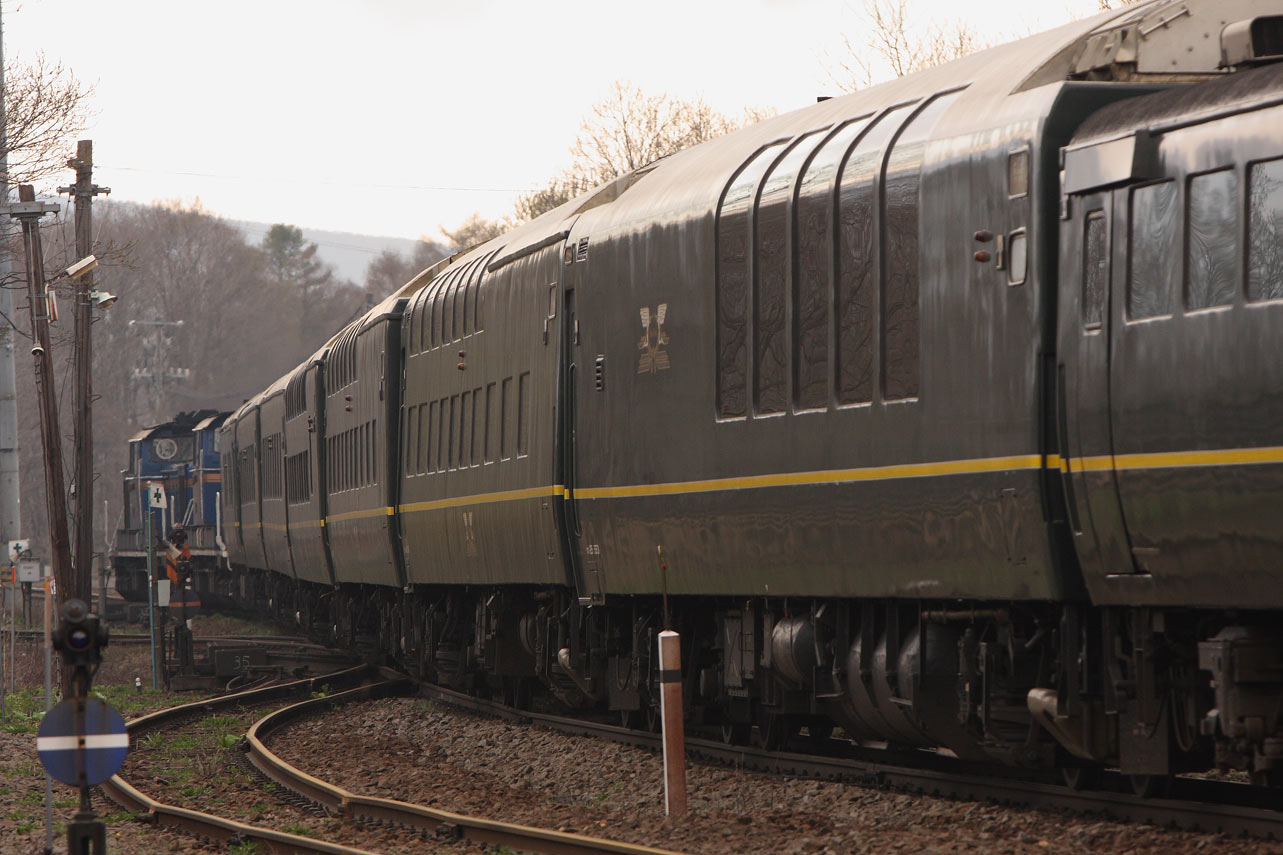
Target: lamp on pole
x,y
83,478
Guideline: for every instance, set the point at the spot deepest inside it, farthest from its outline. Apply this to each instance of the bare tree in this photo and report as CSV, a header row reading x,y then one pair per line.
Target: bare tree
x,y
45,106
892,42
390,270
475,229
627,130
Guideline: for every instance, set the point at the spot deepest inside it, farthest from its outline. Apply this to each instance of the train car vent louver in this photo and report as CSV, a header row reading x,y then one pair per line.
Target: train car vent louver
x,y
1253,41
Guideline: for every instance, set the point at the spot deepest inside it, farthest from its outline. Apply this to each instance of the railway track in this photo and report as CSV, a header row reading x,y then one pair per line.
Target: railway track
x,y
1193,804
143,638
349,686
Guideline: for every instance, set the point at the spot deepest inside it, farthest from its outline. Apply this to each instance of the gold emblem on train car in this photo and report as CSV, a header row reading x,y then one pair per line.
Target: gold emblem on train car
x,y
653,341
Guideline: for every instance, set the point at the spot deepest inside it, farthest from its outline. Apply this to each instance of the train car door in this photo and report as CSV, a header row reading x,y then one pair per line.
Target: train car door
x,y
1092,254
581,567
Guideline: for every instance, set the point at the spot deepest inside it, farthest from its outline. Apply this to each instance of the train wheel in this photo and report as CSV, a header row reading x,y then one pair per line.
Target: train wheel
x,y
1150,786
774,730
1081,777
632,719
516,693
736,733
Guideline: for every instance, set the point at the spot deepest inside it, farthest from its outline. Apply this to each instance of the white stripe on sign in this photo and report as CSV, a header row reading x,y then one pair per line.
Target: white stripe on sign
x,y
70,743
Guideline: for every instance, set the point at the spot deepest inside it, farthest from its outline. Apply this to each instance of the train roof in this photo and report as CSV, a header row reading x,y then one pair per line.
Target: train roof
x,y
212,422
1158,42
1177,106
180,424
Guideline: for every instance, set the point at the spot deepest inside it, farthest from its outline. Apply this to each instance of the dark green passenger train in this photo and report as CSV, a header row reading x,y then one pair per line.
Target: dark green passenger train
x,y
948,413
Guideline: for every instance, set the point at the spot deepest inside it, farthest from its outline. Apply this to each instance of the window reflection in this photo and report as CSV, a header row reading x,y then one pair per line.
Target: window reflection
x,y
1095,269
1265,232
1154,261
1213,239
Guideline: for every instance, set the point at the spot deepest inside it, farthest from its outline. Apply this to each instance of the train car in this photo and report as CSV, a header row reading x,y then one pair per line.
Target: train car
x,y
272,456
179,455
944,412
305,472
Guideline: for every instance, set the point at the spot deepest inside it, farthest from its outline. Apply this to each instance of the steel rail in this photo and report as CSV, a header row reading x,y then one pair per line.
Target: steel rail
x,y
206,825
143,638
486,832
1208,806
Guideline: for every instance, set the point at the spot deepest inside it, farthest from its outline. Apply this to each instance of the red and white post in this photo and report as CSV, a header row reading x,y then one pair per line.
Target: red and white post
x,y
670,710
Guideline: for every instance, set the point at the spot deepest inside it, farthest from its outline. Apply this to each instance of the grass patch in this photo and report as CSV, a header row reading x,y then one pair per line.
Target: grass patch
x,y
193,792
120,816
249,847
297,828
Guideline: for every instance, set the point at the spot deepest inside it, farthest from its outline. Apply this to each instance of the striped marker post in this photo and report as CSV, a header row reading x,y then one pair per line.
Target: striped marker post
x,y
670,711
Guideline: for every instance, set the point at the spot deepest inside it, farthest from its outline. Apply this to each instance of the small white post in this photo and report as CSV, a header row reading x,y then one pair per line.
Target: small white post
x,y
48,705
670,712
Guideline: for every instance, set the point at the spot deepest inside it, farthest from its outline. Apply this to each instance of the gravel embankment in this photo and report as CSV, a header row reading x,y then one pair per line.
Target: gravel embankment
x,y
419,752
413,750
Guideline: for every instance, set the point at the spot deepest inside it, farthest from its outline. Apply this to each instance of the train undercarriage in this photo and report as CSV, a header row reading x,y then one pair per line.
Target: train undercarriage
x,y
1151,692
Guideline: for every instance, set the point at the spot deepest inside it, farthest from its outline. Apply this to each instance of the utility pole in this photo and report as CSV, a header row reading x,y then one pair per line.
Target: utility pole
x,y
29,212
84,190
10,518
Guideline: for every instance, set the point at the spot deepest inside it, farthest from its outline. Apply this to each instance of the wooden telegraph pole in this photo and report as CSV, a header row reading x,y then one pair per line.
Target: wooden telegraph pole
x,y
29,212
84,191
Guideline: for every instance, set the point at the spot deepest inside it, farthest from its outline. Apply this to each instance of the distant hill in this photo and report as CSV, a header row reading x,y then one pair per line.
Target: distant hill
x,y
349,254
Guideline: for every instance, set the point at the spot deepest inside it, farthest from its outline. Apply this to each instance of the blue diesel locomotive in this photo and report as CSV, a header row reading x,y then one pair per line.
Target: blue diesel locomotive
x,y
181,458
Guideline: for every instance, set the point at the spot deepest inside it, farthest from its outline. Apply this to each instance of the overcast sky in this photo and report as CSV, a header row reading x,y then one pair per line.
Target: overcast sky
x,y
391,117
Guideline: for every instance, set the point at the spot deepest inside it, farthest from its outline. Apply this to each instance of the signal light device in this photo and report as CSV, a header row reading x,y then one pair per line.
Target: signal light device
x,y
80,637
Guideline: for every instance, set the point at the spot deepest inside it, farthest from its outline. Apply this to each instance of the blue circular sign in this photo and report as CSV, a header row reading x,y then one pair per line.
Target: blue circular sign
x,y
88,739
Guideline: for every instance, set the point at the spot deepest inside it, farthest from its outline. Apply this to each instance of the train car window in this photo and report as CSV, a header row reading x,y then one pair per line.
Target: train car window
x,y
857,259
438,295
441,435
1017,257
474,457
1095,283
447,308
1153,263
813,293
901,279
469,289
734,224
1211,247
504,410
772,263
465,427
431,463
523,408
477,316
450,440
1265,231
490,440
1018,173
423,433
457,297
407,438
407,330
